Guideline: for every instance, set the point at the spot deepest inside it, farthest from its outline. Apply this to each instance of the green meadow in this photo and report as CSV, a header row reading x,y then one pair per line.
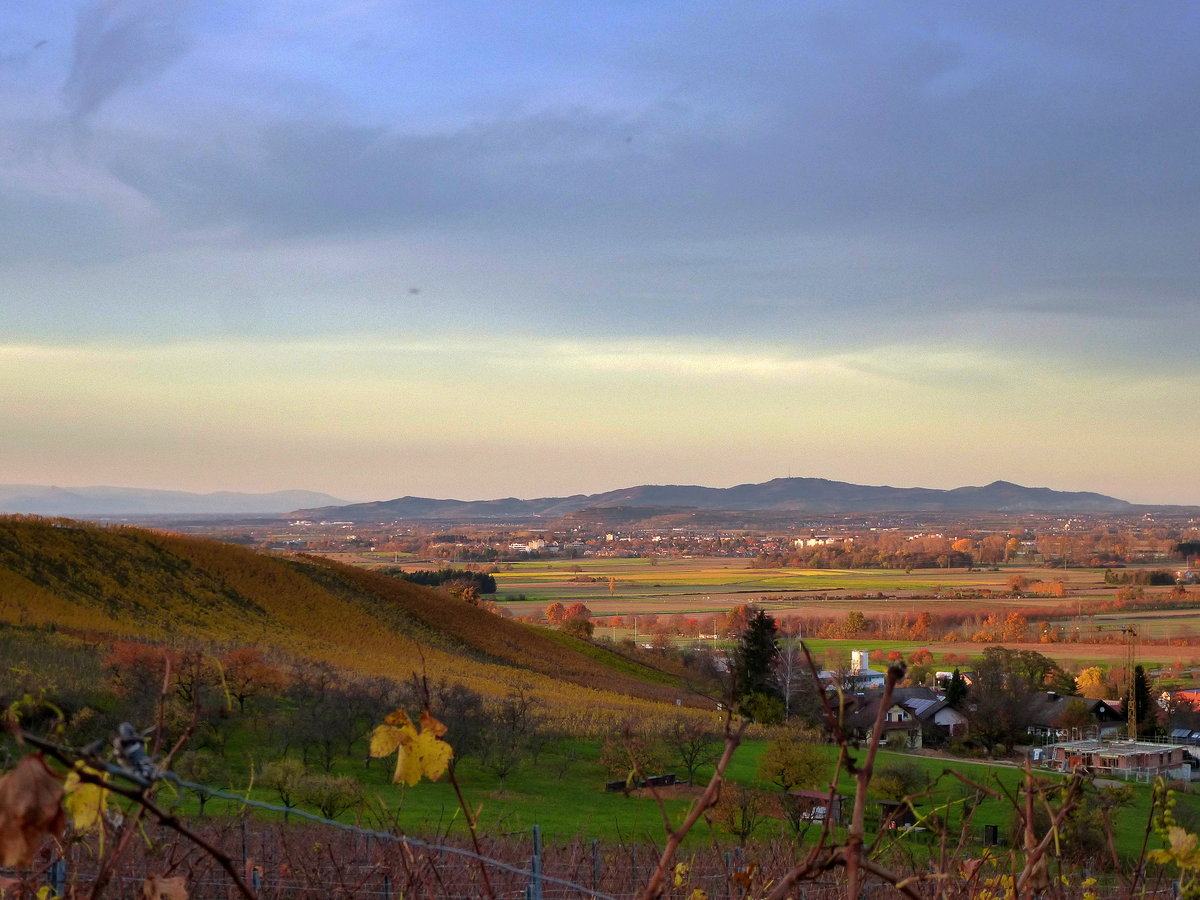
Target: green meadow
x,y
564,794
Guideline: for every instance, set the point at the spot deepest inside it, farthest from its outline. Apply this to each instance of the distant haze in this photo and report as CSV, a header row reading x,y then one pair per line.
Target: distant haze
x,y
46,500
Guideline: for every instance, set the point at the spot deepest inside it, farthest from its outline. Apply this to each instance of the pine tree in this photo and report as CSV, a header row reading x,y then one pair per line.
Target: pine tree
x,y
956,690
753,668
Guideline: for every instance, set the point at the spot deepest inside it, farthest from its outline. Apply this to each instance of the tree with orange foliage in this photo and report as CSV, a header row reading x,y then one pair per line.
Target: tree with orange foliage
x,y
247,675
140,674
1016,626
920,657
554,613
920,628
576,611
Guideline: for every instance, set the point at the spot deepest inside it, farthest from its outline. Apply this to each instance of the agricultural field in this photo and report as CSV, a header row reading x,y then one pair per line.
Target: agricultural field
x,y
704,586
619,586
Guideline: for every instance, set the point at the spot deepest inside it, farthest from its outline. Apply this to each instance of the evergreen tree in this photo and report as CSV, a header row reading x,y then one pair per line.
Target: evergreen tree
x,y
956,690
754,664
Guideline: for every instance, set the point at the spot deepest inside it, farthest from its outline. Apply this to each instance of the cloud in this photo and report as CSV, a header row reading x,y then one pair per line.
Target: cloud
x,y
121,44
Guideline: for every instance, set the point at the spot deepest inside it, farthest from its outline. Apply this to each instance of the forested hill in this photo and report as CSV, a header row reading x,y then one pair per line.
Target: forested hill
x,y
118,582
814,496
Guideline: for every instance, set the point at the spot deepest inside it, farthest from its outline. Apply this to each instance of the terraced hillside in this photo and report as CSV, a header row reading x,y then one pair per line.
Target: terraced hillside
x,y
121,583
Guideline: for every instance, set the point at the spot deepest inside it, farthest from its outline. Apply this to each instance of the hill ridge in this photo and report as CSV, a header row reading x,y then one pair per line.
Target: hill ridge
x,y
130,583
803,495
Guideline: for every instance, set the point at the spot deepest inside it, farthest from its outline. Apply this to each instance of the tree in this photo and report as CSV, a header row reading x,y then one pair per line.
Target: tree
x,y
580,628
461,710
1015,627
284,776
512,733
576,611
199,767
1076,716
754,658
956,690
632,755
332,795
247,675
796,684
741,811
554,613
693,743
1001,695
794,761
855,624
900,780
1092,683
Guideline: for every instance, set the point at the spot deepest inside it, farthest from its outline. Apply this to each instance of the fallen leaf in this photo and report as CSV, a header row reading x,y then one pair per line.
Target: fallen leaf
x,y
158,888
30,809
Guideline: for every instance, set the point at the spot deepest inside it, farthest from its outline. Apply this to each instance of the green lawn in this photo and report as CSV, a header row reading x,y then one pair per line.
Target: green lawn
x,y
563,793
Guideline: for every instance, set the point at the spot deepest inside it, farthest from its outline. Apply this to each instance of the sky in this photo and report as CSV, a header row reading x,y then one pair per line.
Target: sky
x,y
381,248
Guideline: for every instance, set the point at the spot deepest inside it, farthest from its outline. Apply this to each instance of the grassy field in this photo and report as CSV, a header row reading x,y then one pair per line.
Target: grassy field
x,y
564,795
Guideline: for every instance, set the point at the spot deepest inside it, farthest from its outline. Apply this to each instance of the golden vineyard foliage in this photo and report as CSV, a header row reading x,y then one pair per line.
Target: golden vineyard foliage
x,y
418,753
112,583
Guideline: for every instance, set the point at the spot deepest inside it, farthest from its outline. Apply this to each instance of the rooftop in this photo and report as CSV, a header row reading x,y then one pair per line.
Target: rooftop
x,y
1117,748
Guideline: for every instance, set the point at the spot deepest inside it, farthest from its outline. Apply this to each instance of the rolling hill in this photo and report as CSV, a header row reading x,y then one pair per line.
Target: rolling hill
x,y
123,583
815,496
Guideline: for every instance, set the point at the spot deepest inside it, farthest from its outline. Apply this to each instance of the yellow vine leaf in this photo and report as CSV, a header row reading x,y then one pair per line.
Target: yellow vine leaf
x,y
85,802
418,753
681,874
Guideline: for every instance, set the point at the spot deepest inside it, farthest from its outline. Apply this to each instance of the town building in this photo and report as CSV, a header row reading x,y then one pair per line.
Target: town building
x,y
1138,760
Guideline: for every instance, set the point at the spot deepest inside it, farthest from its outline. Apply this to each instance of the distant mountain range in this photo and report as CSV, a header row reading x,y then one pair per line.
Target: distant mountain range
x,y
815,496
44,500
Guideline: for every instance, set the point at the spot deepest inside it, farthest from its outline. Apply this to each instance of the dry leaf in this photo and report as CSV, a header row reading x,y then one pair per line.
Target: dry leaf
x,y
158,888
30,808
970,867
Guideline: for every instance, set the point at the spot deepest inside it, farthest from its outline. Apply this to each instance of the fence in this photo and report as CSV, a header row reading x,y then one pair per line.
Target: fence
x,y
317,857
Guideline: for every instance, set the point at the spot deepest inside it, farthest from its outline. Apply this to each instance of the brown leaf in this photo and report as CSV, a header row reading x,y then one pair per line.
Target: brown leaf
x,y
970,867
158,888
30,809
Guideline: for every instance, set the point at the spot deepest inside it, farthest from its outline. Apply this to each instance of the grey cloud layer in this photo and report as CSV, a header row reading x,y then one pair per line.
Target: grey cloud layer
x,y
848,162
119,44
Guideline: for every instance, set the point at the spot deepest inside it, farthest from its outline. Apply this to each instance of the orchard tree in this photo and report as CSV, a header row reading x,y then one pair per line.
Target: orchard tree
x,y
794,760
693,744
248,675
